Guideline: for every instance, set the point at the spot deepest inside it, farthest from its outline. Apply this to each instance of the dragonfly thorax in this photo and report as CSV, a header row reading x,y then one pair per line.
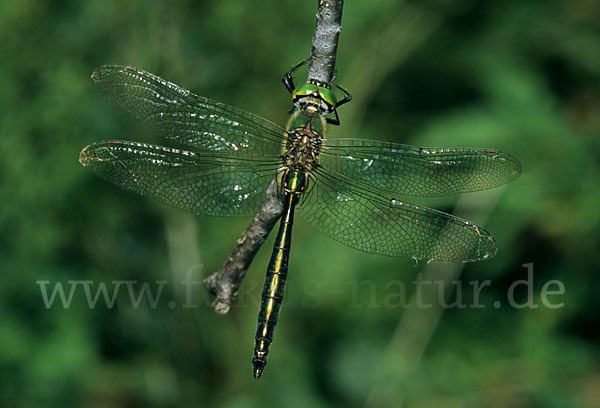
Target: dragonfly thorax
x,y
303,144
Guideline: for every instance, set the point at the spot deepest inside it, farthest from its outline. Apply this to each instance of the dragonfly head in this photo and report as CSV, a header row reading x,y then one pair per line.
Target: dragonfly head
x,y
314,97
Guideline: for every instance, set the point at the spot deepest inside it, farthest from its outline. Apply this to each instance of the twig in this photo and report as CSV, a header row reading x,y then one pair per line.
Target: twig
x,y
325,40
225,283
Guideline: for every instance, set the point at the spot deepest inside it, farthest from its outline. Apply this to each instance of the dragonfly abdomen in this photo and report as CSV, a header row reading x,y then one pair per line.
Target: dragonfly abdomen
x,y
273,289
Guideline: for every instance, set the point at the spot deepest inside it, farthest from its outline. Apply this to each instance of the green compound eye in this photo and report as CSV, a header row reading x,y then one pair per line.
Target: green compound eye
x,y
306,89
316,91
327,96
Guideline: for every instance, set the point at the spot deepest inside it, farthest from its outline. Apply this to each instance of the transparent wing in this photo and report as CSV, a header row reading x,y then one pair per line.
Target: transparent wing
x,y
370,221
419,171
191,121
203,183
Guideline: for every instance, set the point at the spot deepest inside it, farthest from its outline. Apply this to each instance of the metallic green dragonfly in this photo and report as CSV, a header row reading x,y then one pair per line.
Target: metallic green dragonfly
x,y
220,161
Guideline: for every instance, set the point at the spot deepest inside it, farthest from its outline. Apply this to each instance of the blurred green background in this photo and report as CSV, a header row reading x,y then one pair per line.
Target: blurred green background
x,y
518,76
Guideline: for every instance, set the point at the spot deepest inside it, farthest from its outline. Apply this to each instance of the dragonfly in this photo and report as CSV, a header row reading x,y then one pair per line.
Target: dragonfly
x,y
219,160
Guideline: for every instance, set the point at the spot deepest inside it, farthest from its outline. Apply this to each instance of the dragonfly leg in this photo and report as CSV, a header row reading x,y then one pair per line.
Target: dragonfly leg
x,y
334,121
288,79
347,97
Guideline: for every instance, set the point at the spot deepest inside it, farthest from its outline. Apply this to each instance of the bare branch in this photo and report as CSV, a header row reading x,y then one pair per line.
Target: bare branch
x,y
325,40
225,283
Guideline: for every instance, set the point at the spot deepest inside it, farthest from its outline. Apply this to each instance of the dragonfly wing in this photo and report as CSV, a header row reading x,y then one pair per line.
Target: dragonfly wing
x,y
419,171
202,183
370,221
189,120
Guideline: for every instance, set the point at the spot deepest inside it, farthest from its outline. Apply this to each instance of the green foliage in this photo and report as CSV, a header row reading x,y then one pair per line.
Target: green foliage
x,y
519,76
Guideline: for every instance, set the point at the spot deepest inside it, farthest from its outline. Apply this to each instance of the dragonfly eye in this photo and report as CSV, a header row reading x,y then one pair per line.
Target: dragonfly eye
x,y
327,97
